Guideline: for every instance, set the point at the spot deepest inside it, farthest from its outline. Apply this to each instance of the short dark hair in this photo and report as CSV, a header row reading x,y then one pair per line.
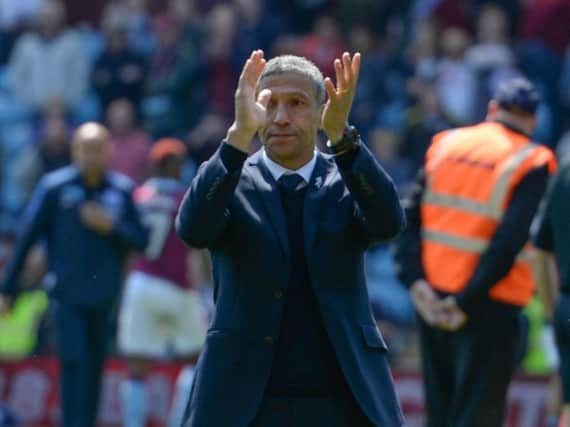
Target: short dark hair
x,y
518,95
299,65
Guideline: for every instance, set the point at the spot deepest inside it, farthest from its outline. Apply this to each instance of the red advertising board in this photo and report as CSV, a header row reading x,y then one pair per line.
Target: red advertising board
x,y
29,388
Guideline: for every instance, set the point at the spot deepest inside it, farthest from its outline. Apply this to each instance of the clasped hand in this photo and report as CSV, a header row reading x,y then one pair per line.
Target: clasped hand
x,y
96,218
443,313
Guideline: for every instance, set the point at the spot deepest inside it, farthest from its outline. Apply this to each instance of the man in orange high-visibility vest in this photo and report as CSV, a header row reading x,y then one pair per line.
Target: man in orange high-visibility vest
x,y
464,256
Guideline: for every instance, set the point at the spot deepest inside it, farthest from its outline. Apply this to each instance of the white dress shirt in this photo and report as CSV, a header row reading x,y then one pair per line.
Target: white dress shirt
x,y
277,171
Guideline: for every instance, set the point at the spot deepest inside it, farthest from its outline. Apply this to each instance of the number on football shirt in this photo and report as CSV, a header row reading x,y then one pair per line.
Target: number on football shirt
x,y
159,224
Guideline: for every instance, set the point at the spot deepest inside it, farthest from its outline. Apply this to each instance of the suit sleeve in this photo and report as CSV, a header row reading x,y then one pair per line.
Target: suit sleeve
x,y
204,212
407,249
508,240
35,222
377,209
129,230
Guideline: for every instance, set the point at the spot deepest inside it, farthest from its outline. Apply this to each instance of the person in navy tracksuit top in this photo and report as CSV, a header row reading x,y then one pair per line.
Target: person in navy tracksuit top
x,y
86,217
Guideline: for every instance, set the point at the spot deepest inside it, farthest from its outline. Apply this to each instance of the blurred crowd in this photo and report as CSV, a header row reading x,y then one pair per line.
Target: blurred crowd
x,y
150,69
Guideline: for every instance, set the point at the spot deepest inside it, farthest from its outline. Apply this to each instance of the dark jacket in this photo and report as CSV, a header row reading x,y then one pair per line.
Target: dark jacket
x,y
237,214
84,268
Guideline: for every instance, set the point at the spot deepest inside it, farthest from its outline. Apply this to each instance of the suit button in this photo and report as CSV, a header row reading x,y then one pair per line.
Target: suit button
x,y
268,340
278,294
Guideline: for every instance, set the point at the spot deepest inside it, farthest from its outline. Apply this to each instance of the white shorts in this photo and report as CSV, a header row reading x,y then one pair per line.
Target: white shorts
x,y
158,318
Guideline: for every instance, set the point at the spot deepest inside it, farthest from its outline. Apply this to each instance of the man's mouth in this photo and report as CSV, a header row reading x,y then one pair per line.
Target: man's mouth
x,y
281,135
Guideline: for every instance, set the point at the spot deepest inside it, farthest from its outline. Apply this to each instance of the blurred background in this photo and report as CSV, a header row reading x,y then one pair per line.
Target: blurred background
x,y
156,68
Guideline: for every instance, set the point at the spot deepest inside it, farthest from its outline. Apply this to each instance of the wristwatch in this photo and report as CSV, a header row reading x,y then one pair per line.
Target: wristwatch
x,y
350,141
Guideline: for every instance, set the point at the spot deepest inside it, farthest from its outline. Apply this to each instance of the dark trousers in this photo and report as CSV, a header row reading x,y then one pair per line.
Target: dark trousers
x,y
467,372
310,412
82,335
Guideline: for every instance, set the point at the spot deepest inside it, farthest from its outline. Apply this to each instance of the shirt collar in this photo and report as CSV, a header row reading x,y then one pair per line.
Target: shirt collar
x,y
277,170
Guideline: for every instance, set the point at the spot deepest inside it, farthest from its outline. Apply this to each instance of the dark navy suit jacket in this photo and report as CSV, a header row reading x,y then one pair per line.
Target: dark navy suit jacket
x,y
237,214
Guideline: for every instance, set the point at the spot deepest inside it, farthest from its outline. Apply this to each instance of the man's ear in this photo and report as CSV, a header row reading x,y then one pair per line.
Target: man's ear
x,y
533,123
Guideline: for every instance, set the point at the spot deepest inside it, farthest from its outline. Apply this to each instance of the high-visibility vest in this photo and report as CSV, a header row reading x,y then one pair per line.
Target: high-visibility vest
x,y
471,173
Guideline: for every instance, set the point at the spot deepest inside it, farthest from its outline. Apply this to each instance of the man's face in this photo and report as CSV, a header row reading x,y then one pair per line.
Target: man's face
x,y
91,155
293,119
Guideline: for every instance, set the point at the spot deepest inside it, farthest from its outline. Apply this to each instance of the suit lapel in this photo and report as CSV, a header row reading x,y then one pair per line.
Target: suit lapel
x,y
269,194
315,191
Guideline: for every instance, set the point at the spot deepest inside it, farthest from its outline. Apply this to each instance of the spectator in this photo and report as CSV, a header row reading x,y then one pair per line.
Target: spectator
x,y
546,22
138,20
51,153
221,71
15,13
422,50
258,27
453,14
130,145
85,13
324,44
188,16
118,72
49,62
544,36
491,54
492,48
175,82
370,13
300,16
424,118
456,82
370,91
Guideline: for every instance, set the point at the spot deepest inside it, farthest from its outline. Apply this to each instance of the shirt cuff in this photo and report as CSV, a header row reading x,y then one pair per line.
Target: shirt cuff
x,y
232,158
346,160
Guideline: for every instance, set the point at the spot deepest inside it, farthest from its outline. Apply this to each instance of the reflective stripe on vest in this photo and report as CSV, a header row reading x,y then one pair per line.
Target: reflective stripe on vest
x,y
494,207
467,244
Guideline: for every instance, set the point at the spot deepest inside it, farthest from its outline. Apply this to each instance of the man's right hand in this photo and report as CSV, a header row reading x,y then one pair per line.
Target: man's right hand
x,y
425,300
249,111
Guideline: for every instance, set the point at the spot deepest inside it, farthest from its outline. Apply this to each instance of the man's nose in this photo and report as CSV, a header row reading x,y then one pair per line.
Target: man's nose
x,y
281,116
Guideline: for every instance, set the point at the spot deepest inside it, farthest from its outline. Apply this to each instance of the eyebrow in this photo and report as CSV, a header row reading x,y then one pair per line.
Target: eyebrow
x,y
298,93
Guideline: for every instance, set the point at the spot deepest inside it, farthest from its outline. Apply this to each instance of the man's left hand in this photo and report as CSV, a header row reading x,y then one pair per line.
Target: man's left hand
x,y
96,218
337,108
452,317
